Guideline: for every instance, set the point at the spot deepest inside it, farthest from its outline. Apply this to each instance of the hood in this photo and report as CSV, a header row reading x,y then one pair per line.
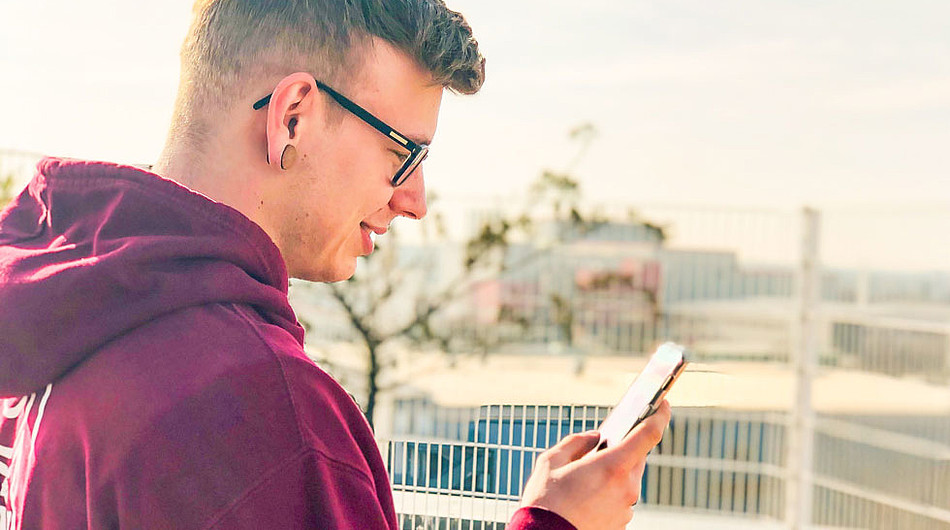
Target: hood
x,y
91,250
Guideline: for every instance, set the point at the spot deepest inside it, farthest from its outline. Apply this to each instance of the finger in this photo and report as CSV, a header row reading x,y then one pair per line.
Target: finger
x,y
644,437
572,447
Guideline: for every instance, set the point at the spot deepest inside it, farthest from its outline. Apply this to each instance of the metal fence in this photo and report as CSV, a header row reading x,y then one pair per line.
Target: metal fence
x,y
860,438
716,462
709,461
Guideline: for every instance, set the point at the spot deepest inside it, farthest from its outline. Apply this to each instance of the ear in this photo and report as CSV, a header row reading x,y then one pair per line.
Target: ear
x,y
292,97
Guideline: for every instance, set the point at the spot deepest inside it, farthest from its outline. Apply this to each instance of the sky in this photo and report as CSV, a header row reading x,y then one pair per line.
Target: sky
x,y
747,103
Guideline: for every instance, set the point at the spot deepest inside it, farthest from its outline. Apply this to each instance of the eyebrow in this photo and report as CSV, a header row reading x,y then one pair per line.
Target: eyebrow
x,y
420,140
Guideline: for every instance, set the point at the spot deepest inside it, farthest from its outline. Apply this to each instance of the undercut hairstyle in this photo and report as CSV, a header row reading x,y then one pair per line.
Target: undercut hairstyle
x,y
232,42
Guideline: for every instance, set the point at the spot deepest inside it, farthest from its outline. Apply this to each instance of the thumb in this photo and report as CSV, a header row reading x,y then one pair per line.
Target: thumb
x,y
644,437
572,447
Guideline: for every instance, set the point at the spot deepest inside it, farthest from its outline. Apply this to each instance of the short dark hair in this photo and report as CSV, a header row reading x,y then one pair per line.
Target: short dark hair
x,y
437,37
231,41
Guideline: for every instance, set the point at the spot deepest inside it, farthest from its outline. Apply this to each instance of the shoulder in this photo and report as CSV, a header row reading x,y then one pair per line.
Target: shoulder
x,y
230,361
328,418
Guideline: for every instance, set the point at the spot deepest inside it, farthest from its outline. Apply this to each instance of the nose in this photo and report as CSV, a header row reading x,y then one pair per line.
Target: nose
x,y
409,199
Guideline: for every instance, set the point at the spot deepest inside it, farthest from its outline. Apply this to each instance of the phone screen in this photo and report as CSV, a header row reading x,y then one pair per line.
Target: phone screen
x,y
647,390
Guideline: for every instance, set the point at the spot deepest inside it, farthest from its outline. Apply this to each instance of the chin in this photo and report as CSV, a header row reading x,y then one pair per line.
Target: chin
x,y
336,272
341,277
325,267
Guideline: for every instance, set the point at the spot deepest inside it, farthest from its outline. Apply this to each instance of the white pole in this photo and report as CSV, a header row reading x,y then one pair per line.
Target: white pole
x,y
946,362
800,461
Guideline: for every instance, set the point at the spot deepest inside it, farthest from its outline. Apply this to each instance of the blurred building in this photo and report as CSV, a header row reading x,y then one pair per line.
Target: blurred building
x,y
598,289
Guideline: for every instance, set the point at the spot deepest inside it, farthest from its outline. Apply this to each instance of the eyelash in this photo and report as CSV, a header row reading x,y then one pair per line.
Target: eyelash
x,y
401,156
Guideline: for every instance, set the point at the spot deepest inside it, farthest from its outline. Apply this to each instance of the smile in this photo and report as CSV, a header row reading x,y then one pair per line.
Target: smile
x,y
369,234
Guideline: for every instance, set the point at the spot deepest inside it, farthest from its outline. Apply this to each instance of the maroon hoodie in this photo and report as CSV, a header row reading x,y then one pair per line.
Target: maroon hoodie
x,y
153,372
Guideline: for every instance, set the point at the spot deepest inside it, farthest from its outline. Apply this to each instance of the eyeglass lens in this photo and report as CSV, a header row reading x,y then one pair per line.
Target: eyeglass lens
x,y
411,164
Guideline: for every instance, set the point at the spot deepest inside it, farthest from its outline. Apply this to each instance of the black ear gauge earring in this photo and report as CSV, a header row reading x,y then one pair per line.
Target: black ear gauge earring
x,y
288,157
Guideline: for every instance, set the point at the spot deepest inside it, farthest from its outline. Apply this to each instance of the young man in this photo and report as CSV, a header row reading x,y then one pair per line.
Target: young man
x,y
153,368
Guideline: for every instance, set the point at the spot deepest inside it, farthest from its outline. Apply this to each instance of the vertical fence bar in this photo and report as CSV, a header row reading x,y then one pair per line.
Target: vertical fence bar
x,y
798,490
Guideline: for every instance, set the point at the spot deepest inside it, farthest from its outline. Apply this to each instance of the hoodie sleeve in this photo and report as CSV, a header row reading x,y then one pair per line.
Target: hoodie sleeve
x,y
534,518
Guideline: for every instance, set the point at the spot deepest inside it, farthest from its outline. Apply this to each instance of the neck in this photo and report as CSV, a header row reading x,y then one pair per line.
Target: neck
x,y
184,166
221,171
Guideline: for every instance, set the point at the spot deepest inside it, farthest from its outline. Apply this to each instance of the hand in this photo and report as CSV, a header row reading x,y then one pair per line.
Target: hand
x,y
597,492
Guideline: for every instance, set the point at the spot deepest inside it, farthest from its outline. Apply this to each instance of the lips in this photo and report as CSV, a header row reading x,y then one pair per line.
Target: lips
x,y
375,229
368,232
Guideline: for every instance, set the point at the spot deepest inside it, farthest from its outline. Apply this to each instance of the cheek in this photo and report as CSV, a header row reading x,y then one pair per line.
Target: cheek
x,y
367,163
346,184
364,190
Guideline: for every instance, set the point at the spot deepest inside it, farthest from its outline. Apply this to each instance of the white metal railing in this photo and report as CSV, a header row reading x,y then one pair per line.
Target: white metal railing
x,y
711,461
902,475
887,344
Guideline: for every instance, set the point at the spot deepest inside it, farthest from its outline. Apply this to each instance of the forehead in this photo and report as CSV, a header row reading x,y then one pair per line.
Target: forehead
x,y
393,87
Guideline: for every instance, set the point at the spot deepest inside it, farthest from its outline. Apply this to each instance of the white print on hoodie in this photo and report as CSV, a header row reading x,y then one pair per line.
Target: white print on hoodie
x,y
16,459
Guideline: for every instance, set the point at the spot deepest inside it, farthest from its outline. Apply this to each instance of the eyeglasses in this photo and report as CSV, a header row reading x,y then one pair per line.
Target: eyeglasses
x,y
417,152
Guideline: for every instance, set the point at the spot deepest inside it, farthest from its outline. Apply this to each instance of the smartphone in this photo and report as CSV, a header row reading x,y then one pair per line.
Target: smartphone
x,y
644,395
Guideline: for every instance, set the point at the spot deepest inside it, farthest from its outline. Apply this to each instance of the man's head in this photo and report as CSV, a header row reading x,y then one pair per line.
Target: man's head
x,y
392,58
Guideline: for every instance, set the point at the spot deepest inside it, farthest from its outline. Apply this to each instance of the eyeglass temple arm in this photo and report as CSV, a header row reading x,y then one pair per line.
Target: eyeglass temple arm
x,y
261,103
355,109
367,117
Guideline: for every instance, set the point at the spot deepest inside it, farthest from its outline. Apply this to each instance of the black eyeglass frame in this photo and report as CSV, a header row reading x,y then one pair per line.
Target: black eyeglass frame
x,y
417,152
